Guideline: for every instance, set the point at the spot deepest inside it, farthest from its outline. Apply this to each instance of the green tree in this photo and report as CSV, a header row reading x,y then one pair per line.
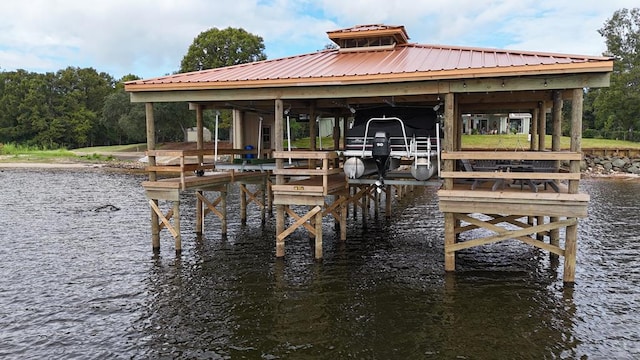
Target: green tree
x,y
122,122
216,48
617,108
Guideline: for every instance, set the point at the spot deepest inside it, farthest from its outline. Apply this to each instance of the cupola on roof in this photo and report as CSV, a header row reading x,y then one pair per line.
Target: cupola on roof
x,y
368,36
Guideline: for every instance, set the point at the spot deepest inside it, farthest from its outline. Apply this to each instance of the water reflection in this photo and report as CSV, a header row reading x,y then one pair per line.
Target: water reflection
x,y
82,283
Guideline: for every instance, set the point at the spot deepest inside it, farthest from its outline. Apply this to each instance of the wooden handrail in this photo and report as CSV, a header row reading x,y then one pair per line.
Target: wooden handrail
x,y
510,175
512,155
196,152
305,154
179,152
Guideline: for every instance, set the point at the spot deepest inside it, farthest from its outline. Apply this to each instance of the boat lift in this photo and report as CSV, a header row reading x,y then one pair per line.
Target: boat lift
x,y
382,154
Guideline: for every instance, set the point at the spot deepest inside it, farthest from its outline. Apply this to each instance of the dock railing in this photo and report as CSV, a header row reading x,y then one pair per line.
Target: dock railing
x,y
529,166
185,163
319,178
318,184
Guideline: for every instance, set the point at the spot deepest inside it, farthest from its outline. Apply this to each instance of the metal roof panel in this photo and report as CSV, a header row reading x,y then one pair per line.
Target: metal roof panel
x,y
403,59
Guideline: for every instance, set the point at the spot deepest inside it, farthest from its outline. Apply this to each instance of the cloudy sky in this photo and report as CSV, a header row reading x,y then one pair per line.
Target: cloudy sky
x,y
148,38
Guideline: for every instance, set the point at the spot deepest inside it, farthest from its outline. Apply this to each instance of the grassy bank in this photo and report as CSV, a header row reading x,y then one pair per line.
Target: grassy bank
x,y
15,152
24,153
113,148
521,142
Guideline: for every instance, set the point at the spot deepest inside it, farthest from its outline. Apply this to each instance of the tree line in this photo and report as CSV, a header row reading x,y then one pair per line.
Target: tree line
x,y
614,112
79,107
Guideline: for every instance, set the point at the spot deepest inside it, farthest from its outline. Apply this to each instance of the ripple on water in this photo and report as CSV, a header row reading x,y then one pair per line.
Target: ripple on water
x,y
80,283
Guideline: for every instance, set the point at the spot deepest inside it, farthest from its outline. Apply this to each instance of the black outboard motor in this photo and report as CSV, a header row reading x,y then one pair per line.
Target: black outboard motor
x,y
380,152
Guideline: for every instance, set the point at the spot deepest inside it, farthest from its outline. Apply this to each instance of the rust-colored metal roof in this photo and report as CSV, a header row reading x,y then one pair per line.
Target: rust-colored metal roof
x,y
406,62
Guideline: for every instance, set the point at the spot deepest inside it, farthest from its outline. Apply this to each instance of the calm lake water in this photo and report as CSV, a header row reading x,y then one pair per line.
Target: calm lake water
x,y
79,280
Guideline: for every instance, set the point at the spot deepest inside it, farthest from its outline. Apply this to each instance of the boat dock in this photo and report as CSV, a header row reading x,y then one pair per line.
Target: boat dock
x,y
529,195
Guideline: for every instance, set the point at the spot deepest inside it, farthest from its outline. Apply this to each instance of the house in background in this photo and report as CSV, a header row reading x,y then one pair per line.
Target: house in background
x,y
511,123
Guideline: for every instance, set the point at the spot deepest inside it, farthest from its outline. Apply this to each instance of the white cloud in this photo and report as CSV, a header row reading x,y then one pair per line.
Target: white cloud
x,y
149,37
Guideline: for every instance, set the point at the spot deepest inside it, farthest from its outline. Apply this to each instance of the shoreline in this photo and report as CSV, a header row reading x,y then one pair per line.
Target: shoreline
x,y
125,164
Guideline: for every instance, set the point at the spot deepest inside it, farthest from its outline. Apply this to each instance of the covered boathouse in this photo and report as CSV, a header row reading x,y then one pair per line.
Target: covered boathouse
x,y
529,195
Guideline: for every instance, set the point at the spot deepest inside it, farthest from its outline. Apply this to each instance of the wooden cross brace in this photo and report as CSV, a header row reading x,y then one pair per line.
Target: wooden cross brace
x,y
211,206
505,234
357,198
252,196
300,221
334,208
497,219
164,219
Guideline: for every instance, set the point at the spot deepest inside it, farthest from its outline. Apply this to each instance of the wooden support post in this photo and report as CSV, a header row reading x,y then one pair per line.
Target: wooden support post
x,y
376,203
199,212
388,199
450,141
238,129
457,123
542,125
223,204
318,234
539,221
279,139
449,239
199,132
557,120
570,251
555,139
313,134
155,229
366,204
151,137
533,144
576,136
336,139
151,145
343,217
312,234
263,197
554,234
243,204
331,210
279,230
450,136
355,201
269,195
176,225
